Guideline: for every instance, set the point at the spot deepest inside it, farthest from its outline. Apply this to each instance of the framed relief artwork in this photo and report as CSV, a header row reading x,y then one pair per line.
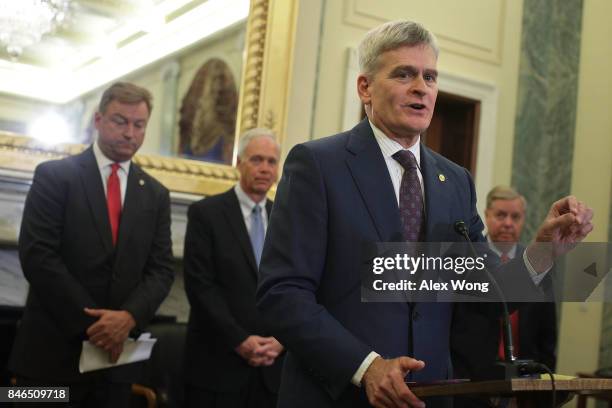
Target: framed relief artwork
x,y
205,94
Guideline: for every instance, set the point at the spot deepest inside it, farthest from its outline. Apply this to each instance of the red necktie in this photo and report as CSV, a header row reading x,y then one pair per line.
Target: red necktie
x,y
514,321
113,201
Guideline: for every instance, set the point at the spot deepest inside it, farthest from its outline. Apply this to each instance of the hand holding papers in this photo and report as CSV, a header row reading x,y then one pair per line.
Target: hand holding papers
x,y
94,358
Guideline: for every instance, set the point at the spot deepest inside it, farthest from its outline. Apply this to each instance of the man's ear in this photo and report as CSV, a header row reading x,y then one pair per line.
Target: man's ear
x,y
363,89
97,119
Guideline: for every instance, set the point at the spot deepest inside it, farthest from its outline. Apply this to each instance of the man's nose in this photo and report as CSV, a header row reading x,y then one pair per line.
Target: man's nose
x,y
419,86
266,166
129,131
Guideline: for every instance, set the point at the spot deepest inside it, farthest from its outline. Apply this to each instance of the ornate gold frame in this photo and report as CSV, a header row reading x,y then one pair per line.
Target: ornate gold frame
x,y
263,102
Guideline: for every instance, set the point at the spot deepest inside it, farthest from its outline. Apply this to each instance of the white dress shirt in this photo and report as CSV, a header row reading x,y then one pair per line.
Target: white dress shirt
x,y
510,254
104,165
389,147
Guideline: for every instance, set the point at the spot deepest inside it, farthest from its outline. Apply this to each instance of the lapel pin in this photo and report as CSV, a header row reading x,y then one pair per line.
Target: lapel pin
x,y
442,177
141,182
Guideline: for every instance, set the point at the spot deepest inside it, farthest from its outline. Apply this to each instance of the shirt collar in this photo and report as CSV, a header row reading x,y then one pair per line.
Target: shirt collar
x,y
104,161
511,253
246,203
389,147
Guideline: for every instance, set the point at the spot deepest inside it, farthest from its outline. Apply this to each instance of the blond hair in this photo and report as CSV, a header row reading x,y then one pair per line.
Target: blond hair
x,y
504,193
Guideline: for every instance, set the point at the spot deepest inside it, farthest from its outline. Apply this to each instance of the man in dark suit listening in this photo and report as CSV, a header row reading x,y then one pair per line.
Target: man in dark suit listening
x,y
95,247
476,342
373,183
231,359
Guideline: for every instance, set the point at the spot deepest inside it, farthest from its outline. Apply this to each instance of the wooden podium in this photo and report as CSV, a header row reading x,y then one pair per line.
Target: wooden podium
x,y
528,392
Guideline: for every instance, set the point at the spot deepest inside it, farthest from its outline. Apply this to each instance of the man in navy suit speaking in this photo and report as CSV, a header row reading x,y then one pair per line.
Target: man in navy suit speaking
x,y
374,183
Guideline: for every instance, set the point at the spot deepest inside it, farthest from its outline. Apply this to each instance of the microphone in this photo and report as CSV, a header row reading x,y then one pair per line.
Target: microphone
x,y
510,369
461,229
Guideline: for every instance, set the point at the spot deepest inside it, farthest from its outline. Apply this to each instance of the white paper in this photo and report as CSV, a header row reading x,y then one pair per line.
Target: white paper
x,y
94,358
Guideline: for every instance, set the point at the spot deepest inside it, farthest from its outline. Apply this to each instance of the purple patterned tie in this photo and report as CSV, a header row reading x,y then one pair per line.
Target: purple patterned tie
x,y
410,197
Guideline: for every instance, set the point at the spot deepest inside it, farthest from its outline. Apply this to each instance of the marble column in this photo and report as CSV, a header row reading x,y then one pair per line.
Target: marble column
x,y
546,104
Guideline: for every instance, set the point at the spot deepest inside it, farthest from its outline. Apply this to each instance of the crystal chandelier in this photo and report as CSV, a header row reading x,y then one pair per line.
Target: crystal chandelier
x,y
25,22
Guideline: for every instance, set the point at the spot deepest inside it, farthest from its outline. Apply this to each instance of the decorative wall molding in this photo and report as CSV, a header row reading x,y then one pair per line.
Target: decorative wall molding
x,y
489,15
262,101
181,175
487,95
266,77
250,87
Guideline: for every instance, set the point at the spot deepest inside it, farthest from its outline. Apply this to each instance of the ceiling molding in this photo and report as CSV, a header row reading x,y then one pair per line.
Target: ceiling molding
x,y
113,46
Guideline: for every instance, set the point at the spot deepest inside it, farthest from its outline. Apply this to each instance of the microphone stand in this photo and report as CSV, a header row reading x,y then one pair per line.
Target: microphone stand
x,y
510,367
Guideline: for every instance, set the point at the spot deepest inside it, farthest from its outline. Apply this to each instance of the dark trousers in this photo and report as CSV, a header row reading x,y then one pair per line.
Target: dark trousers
x,y
91,393
254,394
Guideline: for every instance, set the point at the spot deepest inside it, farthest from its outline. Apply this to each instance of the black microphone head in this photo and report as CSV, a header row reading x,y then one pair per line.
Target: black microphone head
x,y
460,227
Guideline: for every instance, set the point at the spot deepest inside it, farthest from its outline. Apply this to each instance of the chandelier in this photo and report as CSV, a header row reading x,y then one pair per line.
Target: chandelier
x,y
25,22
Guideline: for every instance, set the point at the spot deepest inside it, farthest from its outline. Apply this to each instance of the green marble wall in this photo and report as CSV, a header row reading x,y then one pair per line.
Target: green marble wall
x,y
546,118
546,104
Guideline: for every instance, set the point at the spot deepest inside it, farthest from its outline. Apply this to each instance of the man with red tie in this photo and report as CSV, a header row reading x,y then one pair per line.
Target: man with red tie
x,y
477,341
534,325
95,248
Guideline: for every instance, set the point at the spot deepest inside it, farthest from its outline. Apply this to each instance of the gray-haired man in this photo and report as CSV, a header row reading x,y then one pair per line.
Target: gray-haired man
x,y
373,183
232,361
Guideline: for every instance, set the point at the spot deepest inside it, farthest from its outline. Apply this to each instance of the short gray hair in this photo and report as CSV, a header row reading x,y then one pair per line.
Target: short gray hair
x,y
390,36
504,193
251,134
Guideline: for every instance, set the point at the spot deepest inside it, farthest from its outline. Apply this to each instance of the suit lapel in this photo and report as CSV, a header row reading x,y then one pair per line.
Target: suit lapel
x,y
371,175
235,219
268,208
437,198
96,198
132,206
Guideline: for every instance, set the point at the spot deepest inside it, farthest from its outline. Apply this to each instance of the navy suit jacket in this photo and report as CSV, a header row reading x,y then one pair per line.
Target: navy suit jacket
x,y
335,195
